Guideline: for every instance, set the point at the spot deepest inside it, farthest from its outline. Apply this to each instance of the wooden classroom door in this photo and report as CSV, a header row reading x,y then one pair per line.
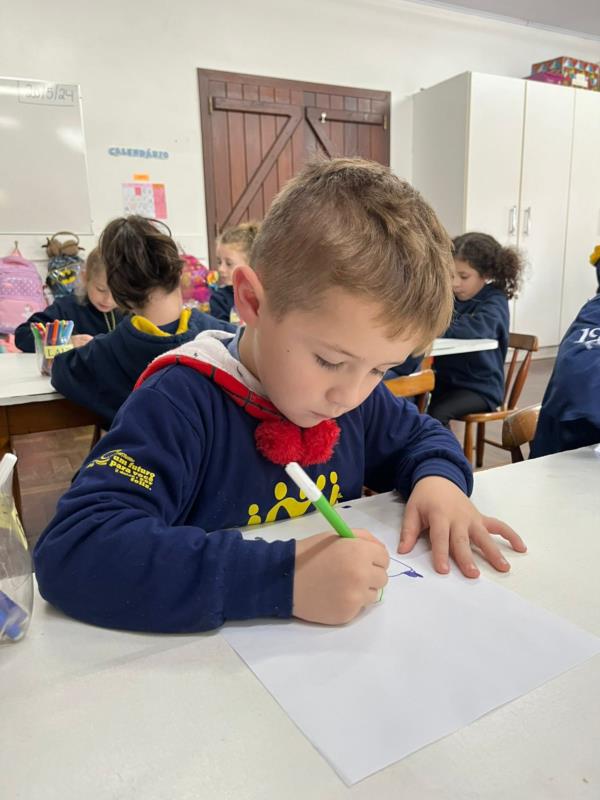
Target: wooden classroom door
x,y
257,132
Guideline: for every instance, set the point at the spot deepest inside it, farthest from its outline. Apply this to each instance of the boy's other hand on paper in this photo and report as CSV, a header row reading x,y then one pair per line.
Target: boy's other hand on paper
x,y
335,577
455,526
80,339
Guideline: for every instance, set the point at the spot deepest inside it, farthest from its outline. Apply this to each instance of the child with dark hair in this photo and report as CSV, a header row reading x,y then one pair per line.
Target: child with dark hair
x,y
233,249
91,308
143,270
486,276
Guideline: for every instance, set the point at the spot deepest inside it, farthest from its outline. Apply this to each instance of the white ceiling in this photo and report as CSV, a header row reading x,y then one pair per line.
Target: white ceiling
x,y
581,17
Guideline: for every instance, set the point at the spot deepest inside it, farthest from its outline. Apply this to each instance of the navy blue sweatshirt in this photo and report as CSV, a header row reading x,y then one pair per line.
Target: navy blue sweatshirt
x,y
221,302
484,316
86,317
570,415
101,374
128,546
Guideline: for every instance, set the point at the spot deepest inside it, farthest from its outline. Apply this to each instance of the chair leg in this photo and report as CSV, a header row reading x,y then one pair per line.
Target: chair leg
x,y
468,442
516,455
480,443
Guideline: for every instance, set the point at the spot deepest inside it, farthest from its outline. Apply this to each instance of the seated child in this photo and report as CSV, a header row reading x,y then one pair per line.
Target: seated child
x,y
570,414
91,308
143,269
233,249
486,276
200,445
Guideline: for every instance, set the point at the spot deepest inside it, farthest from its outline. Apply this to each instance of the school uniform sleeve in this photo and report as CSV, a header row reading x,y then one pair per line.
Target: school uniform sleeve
x,y
118,552
484,322
570,413
403,446
79,374
23,335
221,303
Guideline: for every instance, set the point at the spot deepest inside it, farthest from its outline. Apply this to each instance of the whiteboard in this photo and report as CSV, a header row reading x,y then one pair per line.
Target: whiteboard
x,y
43,174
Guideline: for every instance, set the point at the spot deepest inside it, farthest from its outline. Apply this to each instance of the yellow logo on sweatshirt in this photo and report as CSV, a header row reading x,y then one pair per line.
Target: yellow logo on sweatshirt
x,y
289,506
125,465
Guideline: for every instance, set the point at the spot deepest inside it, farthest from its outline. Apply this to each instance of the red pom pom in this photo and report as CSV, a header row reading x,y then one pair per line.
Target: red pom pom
x,y
280,441
319,442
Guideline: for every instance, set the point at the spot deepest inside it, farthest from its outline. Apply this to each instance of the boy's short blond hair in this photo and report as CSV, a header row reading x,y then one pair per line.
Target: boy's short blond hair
x,y
350,224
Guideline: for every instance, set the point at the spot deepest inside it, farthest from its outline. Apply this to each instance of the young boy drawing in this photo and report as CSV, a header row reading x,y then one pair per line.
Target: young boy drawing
x,y
351,273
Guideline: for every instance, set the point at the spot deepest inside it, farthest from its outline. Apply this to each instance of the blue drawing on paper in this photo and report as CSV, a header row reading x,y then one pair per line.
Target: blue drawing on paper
x,y
395,571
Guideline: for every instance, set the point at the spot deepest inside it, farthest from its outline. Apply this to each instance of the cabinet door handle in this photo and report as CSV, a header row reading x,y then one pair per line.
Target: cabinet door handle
x,y
527,221
512,221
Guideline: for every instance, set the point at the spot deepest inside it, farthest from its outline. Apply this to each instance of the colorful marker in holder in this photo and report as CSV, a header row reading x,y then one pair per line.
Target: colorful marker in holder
x,y
51,339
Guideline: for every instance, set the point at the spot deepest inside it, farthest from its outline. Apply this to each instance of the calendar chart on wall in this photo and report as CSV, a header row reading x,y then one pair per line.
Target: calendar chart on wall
x,y
43,174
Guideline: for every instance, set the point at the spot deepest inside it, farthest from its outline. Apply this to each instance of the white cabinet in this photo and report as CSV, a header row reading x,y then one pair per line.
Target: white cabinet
x,y
583,223
542,230
512,158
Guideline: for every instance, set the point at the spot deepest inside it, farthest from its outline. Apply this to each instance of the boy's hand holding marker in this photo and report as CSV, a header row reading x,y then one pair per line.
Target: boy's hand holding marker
x,y
337,574
334,581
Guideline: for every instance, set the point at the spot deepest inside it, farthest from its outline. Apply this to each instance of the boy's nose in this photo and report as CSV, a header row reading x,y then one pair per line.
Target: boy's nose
x,y
343,397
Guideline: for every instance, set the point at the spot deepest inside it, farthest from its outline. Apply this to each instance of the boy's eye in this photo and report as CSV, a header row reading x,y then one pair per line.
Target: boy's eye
x,y
327,364
379,372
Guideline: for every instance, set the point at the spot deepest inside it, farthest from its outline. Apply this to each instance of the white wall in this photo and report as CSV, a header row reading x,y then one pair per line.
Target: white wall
x,y
136,59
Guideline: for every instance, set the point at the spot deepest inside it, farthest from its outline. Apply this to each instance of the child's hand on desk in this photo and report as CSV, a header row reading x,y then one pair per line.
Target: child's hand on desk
x,y
80,339
335,577
455,526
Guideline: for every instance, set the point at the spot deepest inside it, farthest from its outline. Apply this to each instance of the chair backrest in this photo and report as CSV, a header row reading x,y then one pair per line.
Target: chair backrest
x,y
518,429
519,343
417,384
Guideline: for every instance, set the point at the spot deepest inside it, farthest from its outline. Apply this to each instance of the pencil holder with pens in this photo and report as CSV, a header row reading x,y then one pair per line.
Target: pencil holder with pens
x,y
16,580
50,340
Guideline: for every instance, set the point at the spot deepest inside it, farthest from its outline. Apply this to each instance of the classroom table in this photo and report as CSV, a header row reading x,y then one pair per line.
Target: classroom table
x,y
29,404
454,347
98,714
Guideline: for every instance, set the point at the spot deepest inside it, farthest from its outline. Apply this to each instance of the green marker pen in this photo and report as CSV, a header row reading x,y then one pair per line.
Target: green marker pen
x,y
314,494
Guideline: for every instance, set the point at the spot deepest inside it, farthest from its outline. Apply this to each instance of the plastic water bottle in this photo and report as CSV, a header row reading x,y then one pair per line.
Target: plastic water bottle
x,y
16,579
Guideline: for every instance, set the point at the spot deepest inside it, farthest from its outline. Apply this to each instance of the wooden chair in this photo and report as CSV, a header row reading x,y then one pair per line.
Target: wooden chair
x,y
523,346
417,385
519,429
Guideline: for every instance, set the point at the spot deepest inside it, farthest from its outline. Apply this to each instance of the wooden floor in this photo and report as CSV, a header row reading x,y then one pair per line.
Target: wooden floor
x,y
48,461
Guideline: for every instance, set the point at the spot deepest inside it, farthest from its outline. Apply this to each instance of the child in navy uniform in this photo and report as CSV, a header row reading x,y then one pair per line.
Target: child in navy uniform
x,y
91,308
233,250
486,277
143,273
352,274
570,414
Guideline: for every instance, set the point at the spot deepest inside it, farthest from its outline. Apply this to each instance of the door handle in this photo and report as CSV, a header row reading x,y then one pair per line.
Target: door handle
x,y
527,221
512,221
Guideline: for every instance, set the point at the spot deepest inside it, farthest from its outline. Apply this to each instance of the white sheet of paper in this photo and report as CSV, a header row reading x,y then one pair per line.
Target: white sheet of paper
x,y
436,654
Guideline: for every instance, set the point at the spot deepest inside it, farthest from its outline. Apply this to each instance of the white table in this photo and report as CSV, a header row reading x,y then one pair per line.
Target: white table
x,y
98,714
454,347
21,380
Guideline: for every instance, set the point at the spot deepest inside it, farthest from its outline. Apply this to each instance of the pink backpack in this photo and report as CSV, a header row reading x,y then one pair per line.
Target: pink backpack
x,y
21,292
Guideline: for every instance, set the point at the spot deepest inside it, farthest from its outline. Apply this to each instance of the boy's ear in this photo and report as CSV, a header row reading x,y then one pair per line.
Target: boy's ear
x,y
248,294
